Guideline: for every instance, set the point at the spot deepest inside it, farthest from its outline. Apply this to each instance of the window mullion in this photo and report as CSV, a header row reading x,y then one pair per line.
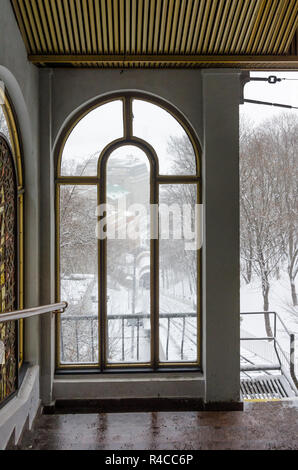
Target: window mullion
x,y
154,253
102,282
128,117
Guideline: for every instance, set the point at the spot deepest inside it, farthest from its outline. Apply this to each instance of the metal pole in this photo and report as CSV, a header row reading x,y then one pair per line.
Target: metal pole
x,y
138,335
132,339
292,359
77,342
182,342
267,103
168,338
62,343
133,303
122,321
92,341
274,324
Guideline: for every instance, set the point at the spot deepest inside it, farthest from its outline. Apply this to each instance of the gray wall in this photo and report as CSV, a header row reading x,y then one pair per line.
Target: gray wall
x,y
74,88
209,101
21,80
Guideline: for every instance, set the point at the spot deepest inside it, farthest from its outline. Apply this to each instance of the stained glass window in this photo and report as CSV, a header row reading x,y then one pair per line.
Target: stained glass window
x,y
8,330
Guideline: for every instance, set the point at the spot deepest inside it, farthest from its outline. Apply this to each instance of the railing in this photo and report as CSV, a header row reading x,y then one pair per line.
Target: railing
x,y
127,343
32,312
285,359
6,356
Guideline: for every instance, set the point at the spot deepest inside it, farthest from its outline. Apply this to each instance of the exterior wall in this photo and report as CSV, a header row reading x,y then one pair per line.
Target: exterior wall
x,y
22,82
209,101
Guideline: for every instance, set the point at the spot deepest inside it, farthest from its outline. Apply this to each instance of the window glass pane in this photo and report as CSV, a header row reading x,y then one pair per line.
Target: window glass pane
x,y
168,138
128,256
178,273
78,274
4,129
89,137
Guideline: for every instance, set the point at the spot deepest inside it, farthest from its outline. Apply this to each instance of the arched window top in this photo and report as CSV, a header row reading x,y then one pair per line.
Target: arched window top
x,y
128,156
129,118
89,137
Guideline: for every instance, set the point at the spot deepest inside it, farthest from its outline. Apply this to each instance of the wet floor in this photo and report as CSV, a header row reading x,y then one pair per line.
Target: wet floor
x,y
260,426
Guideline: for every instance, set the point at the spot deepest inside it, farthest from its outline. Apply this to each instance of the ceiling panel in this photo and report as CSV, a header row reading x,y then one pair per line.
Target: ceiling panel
x,y
144,33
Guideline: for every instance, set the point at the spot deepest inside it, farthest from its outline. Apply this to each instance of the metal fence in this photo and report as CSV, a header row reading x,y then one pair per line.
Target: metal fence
x,y
276,352
79,335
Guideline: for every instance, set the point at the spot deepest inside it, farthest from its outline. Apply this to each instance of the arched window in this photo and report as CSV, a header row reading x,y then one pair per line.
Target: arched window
x,y
128,260
11,249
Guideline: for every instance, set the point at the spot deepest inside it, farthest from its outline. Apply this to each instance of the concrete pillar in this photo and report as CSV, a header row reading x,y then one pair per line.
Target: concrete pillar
x,y
221,278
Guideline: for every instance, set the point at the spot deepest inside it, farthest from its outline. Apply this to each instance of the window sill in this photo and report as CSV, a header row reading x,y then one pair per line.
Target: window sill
x,y
138,385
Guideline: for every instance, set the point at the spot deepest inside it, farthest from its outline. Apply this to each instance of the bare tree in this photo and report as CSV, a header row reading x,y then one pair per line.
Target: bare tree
x,y
177,264
77,229
261,232
246,236
284,135
181,149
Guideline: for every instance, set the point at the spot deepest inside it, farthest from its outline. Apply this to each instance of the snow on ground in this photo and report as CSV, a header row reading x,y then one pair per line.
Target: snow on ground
x,y
251,325
80,291
280,301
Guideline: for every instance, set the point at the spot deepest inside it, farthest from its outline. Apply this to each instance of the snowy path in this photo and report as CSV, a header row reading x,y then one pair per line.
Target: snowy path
x,y
280,302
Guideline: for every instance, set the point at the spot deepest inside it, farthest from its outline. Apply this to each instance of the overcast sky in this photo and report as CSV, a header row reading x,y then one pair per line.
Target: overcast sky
x,y
104,124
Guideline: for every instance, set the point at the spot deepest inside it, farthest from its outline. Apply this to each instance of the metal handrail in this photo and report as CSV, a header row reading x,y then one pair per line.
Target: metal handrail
x,y
122,317
265,338
32,312
128,316
269,313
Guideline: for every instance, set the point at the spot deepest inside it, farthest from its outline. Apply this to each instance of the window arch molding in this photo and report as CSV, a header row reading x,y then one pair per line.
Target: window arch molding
x,y
128,139
118,143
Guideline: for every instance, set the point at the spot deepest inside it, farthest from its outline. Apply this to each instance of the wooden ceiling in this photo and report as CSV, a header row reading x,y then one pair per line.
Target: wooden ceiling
x,y
160,33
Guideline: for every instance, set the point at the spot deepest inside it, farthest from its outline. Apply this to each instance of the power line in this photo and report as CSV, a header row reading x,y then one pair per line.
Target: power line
x,y
272,79
267,103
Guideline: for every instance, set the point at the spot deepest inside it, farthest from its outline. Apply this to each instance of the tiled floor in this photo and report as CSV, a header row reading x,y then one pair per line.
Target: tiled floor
x,y
260,426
